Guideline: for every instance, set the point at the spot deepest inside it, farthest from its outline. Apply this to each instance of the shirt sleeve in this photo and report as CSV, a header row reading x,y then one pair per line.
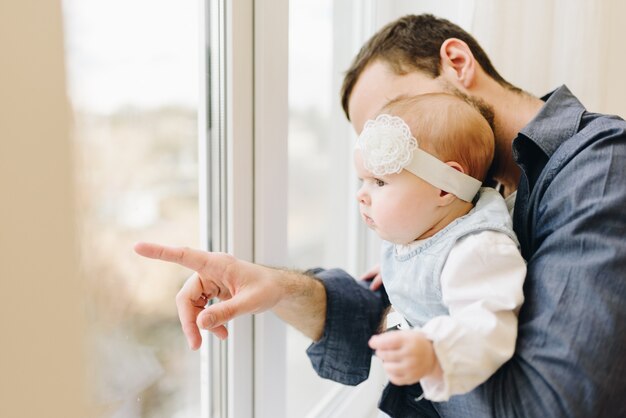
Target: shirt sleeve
x,y
481,284
353,315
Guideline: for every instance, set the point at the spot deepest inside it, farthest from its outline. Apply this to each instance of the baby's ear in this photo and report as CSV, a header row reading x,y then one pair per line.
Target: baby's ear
x,y
445,197
456,166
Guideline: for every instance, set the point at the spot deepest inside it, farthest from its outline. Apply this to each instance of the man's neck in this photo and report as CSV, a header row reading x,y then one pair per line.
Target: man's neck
x,y
513,111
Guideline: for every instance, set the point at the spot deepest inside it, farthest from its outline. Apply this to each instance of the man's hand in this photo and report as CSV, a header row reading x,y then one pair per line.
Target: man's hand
x,y
407,356
242,288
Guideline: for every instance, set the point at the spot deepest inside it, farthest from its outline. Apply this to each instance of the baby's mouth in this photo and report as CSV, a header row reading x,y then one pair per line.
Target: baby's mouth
x,y
369,221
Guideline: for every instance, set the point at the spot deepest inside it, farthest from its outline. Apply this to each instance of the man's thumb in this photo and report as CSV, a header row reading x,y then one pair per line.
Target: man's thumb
x,y
218,314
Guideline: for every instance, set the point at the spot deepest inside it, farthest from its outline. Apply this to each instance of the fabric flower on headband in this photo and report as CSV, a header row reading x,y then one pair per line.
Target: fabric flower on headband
x,y
386,144
388,147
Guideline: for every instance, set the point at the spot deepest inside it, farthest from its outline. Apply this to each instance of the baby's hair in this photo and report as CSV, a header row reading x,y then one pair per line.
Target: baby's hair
x,y
450,128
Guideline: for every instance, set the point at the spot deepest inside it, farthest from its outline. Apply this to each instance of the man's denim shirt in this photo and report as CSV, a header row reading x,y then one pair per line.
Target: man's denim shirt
x,y
570,219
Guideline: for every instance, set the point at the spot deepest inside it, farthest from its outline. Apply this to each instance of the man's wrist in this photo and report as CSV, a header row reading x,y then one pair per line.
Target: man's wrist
x,y
301,301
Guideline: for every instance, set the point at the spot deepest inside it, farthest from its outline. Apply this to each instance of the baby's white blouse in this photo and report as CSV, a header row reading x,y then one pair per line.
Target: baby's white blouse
x,y
471,315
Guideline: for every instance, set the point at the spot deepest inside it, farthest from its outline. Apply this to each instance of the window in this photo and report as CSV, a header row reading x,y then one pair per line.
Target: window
x,y
324,229
133,73
319,177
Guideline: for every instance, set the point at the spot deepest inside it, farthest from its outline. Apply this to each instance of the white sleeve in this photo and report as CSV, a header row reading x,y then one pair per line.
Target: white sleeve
x,y
481,285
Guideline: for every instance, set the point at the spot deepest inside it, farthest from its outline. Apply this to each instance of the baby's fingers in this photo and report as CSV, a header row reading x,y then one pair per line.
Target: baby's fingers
x,y
389,356
371,273
387,341
377,282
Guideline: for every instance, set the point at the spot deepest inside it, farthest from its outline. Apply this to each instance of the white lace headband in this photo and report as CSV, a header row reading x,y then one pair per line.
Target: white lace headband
x,y
388,147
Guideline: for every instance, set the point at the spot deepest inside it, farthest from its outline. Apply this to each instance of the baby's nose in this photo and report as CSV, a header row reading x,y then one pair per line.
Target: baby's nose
x,y
362,196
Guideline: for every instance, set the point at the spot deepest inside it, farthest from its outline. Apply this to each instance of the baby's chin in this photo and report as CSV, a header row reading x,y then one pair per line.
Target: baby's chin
x,y
400,236
398,240
404,240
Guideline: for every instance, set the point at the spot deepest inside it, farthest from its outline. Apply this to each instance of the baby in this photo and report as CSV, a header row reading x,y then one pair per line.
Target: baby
x,y
450,259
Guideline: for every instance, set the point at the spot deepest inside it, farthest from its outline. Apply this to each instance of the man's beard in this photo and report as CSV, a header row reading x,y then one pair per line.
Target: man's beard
x,y
486,110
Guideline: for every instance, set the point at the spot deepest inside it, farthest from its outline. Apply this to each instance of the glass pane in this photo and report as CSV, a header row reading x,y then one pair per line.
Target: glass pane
x,y
312,182
132,73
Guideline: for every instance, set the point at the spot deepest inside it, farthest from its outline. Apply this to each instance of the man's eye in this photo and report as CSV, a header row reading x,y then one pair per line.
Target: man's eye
x,y
380,183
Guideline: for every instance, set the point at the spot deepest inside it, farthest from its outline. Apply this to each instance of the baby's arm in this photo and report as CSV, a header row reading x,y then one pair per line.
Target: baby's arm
x,y
482,288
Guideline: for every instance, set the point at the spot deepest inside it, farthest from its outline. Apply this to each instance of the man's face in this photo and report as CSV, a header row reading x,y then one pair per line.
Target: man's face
x,y
378,85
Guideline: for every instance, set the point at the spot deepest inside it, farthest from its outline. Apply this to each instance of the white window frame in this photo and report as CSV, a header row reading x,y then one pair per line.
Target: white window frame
x,y
226,161
244,77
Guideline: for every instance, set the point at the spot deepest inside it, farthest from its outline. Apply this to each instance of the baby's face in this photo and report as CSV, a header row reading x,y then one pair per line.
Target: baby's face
x,y
399,207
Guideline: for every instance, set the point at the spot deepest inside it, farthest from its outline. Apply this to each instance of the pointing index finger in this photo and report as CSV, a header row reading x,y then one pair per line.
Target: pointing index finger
x,y
195,260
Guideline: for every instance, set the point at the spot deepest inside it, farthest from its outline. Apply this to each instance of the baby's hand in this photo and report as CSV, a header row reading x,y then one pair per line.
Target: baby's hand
x,y
374,276
407,356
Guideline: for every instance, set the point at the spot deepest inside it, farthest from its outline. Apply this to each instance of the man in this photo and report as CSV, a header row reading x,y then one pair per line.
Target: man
x,y
567,167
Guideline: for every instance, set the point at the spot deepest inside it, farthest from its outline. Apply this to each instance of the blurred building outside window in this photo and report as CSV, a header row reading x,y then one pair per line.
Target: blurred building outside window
x,y
133,85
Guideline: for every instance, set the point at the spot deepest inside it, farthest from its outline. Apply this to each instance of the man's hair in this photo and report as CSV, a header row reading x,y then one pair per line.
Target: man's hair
x,y
413,43
448,127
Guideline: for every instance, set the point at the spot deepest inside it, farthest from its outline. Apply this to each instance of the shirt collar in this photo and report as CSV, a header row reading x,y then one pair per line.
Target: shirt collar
x,y
557,120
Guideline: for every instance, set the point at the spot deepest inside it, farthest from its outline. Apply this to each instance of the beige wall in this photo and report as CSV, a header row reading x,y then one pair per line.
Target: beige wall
x,y
40,346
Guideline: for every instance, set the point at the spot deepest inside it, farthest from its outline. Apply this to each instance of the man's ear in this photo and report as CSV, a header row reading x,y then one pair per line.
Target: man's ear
x,y
457,61
446,198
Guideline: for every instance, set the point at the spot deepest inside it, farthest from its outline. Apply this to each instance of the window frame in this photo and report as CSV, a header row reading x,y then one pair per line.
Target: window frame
x,y
226,190
243,203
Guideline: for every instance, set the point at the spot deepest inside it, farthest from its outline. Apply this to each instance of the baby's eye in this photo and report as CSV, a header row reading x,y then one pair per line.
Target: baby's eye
x,y
379,182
